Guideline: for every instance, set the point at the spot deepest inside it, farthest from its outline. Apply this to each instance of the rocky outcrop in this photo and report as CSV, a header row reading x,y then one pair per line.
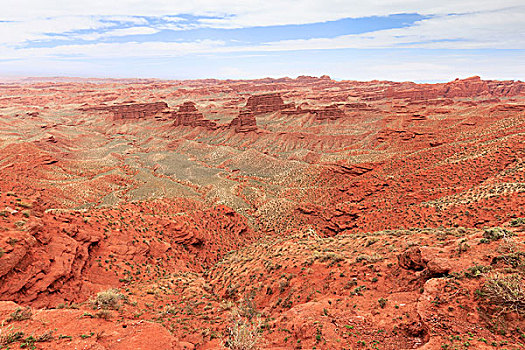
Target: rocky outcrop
x,y
44,260
138,110
424,259
459,88
309,79
417,117
132,110
135,334
389,134
331,112
266,103
332,220
359,106
183,234
508,108
188,115
244,122
293,110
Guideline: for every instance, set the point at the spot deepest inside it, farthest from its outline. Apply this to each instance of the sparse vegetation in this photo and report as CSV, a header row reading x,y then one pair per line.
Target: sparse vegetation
x,y
517,222
21,314
109,299
507,292
243,334
382,302
104,314
9,335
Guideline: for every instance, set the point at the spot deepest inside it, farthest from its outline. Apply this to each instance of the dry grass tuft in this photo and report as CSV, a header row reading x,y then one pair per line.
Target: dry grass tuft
x,y
243,335
506,292
21,314
109,299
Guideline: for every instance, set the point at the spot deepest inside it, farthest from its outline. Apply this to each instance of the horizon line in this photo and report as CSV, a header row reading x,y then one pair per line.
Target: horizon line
x,y
58,78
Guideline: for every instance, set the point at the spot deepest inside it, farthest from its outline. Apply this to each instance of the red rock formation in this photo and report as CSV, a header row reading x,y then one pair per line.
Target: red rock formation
x,y
360,106
310,79
459,88
244,122
138,110
266,103
188,115
131,110
508,108
331,112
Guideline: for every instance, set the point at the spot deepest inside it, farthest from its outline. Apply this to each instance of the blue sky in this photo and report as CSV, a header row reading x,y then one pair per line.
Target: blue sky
x,y
346,39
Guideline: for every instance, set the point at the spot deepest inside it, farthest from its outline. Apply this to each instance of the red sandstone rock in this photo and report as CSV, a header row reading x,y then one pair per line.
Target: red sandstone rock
x,y
267,103
244,122
421,258
138,110
331,112
188,115
131,111
470,87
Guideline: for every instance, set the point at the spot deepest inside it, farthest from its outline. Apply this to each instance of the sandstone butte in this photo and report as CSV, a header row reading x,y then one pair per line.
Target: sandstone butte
x,y
273,214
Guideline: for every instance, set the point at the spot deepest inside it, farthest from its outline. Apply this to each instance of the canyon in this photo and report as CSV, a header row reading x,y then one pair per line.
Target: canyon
x,y
291,213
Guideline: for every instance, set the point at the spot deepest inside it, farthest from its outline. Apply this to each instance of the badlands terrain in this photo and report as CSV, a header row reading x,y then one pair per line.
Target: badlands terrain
x,y
285,213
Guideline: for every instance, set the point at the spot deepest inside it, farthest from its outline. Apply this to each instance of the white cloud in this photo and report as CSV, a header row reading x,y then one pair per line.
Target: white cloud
x,y
173,19
118,50
500,30
44,28
117,33
247,12
487,19
497,30
127,19
452,24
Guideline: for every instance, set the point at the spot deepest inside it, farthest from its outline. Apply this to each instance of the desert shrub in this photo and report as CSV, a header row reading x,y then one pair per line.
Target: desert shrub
x,y
171,310
382,302
517,222
247,307
330,256
21,314
506,292
516,260
369,258
283,284
47,336
104,314
243,335
495,233
25,205
28,343
8,335
109,299
477,271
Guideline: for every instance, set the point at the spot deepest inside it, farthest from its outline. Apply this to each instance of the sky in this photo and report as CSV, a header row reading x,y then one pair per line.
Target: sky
x,y
416,40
